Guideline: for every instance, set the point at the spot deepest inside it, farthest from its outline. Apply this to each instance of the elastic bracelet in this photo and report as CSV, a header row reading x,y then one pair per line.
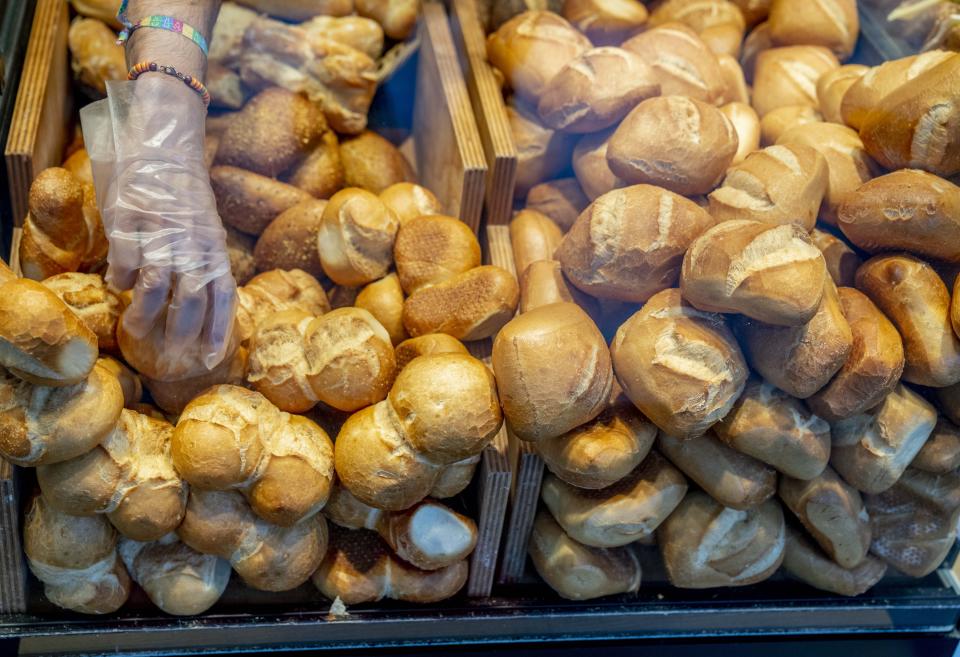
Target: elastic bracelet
x,y
152,67
168,23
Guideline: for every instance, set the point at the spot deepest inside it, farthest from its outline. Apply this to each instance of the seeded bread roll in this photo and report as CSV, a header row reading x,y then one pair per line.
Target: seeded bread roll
x,y
682,63
788,76
543,283
911,294
76,559
372,163
941,453
409,201
599,453
561,200
678,143
808,563
221,523
432,249
276,290
249,201
290,240
720,24
778,185
606,22
833,24
531,48
591,167
622,513
630,242
533,237
833,86
872,368
88,296
173,396
553,371
706,545
681,367
576,571
746,123
356,237
542,153
832,512
776,122
842,261
384,300
774,274
432,343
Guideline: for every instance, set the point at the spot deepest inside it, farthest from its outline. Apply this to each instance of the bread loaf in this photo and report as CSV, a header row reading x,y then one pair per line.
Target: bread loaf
x,y
248,201
289,241
833,24
398,18
88,296
433,248
95,55
543,283
774,274
425,345
356,237
678,143
384,300
808,563
173,396
372,163
788,76
842,261
941,453
681,367
590,165
606,22
321,173
833,86
720,24
776,122
409,201
576,571
542,153
911,294
706,545
746,123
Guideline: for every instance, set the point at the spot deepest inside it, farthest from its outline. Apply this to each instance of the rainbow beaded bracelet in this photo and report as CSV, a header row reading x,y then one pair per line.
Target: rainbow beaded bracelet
x,y
140,68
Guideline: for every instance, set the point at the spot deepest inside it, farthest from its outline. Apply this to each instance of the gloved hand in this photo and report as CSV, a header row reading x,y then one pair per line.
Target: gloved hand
x,y
145,142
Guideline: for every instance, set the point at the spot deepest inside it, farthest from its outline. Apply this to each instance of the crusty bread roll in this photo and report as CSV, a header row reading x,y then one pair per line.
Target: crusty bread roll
x,y
424,345
221,523
433,248
800,360
678,143
542,153
356,237
249,201
543,283
941,453
758,40
130,383
606,22
364,34
680,366
771,426
778,185
576,571
620,514
104,10
629,243
176,578
746,123
409,201
706,545
78,163
321,173
95,55
591,167
173,396
372,163
833,24
384,300
596,90
735,83
398,17
776,122
290,240
533,237
359,567
76,559
808,563
276,290
774,274
226,42
842,261
788,76
833,86
720,24
553,371
601,452
911,294
88,296
754,11
531,48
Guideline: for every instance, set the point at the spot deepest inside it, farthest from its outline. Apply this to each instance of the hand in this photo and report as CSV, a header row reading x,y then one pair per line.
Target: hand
x,y
166,240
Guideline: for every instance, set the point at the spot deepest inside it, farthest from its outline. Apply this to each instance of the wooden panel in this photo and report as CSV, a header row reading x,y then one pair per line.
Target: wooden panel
x,y
42,114
487,100
450,157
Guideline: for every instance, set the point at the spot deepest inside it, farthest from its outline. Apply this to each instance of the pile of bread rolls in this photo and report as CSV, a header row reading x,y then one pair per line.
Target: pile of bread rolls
x,y
737,336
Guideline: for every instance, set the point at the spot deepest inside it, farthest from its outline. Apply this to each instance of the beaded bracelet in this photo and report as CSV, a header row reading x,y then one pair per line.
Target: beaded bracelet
x,y
152,67
168,23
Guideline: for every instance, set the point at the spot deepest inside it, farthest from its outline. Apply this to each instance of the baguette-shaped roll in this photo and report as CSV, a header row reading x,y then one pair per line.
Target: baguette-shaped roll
x,y
832,511
774,274
682,63
431,343
373,163
720,24
428,535
576,571
267,557
430,249
88,296
833,86
176,578
533,237
233,438
561,200
627,511
250,201
606,22
41,425
173,396
359,567
871,370
872,450
941,453
356,237
788,76
746,123
808,563
591,167
409,201
833,24
771,426
384,300
778,185
543,283
911,294
542,152
553,371
276,290
842,261
76,559
732,478
800,360
397,17
706,545
680,366
629,243
776,122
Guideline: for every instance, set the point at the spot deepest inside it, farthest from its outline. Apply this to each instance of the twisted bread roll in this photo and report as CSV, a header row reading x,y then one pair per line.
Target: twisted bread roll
x,y
356,237
682,63
808,563
606,22
274,291
88,296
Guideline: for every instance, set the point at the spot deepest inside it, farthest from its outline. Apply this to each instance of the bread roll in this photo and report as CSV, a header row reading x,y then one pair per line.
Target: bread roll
x,y
455,478
533,237
911,294
248,201
103,10
757,41
678,143
173,396
833,24
736,85
832,512
542,153
543,283
596,90
398,18
706,545
576,571
591,167
78,163
95,55
833,86
681,367
356,237
788,76
88,296
778,185
177,579
409,201
321,174
531,48
240,249
842,261
872,368
746,123
130,383
606,22
682,63
753,11
808,563
75,558
770,273
225,87
776,122
372,163
221,523
289,241
364,34
941,453
433,248
276,290
384,300
553,371
425,345
720,24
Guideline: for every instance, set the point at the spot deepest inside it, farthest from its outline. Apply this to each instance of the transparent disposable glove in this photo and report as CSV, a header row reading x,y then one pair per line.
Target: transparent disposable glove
x,y
167,242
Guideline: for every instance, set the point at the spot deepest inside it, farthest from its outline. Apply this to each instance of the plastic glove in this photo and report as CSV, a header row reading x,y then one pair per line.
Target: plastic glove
x,y
167,242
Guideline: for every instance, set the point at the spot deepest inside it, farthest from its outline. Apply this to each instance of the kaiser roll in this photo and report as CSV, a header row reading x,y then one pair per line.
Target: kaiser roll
x,y
356,237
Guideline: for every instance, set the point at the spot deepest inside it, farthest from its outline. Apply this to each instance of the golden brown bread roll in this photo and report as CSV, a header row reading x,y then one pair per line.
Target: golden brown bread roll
x,y
774,274
757,41
788,76
276,290
95,55
833,24
321,174
842,261
776,122
941,453
542,153
754,11
290,240
78,163
720,24
706,545
576,571
364,34
103,10
356,237
433,248
680,366
409,201
911,294
384,300
746,123
173,396
248,201
455,478
88,296
735,83
372,163
808,563
424,345
543,283
533,237
591,167
130,383
606,22
561,200
833,86
553,371
397,17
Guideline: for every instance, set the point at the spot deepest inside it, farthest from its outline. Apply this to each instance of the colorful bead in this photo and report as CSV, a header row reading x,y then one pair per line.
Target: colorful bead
x,y
140,68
